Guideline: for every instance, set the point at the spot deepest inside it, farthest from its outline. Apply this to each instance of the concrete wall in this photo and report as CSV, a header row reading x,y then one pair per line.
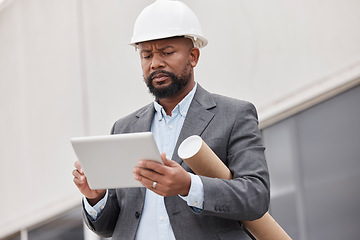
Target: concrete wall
x,y
41,108
66,71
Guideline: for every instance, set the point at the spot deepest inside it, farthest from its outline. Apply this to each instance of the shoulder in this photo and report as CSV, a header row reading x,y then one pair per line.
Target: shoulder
x,y
224,103
232,102
233,108
123,124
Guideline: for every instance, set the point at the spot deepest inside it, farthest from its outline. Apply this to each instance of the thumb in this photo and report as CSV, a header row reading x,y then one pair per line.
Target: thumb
x,y
166,161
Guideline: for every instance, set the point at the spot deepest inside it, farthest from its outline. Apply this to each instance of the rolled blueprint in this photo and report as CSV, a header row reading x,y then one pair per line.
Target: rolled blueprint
x,y
203,161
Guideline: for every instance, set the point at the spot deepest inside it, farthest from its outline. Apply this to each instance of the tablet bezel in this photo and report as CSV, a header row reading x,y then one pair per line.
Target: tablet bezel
x,y
108,161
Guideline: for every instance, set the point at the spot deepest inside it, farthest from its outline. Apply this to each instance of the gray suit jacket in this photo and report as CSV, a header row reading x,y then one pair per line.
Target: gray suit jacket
x,y
230,128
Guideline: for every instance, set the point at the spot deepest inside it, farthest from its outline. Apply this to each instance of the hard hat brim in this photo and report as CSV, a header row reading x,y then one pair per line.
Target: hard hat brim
x,y
199,41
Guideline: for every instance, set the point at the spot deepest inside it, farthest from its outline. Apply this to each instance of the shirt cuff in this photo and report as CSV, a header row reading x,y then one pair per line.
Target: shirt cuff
x,y
195,198
95,211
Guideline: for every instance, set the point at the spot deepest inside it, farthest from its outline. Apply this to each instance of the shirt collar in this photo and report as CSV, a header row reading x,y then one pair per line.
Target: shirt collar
x,y
182,107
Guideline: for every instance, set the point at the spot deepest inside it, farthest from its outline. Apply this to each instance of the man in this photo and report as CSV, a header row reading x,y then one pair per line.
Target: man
x,y
174,203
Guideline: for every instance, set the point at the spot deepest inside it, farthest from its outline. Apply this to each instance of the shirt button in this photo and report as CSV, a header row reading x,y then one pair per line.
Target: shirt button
x,y
93,213
161,218
195,203
102,207
171,127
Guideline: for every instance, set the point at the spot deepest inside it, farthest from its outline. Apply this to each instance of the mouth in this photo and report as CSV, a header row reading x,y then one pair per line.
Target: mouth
x,y
160,78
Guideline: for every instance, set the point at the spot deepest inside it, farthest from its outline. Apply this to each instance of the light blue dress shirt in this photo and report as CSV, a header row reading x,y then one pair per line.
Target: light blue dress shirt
x,y
154,223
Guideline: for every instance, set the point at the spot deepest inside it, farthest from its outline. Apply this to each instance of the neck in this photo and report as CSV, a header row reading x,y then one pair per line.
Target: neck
x,y
170,103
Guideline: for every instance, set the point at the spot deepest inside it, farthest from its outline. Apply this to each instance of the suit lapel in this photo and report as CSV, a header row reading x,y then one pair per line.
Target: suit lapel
x,y
143,119
197,118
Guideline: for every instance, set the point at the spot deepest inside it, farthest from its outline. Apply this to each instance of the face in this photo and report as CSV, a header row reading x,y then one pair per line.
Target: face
x,y
167,65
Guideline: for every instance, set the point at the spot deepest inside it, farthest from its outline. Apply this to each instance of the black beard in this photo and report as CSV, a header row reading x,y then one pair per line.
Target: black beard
x,y
178,83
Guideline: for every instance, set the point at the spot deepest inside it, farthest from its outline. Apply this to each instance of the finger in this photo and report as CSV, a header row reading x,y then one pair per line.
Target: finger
x,y
166,161
77,174
147,177
78,177
163,158
146,173
80,181
78,166
149,164
148,183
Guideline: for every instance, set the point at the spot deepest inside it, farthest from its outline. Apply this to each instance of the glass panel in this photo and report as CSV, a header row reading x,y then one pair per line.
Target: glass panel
x,y
330,153
320,149
68,226
281,156
15,236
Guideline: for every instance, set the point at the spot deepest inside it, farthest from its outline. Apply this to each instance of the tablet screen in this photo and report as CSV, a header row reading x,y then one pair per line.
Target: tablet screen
x,y
108,161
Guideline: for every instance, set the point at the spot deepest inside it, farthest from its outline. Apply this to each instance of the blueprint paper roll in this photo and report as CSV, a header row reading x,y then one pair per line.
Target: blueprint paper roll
x,y
204,162
266,228
201,159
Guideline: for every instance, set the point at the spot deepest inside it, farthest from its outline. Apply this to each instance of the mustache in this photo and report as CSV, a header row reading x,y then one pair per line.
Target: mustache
x,y
151,76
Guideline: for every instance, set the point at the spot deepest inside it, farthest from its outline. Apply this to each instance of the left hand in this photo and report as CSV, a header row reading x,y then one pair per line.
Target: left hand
x,y
171,178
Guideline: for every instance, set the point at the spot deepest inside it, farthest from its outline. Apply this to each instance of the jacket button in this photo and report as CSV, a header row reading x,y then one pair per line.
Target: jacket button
x,y
137,214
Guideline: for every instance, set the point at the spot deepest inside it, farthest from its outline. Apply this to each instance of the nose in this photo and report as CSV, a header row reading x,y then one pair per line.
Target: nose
x,y
157,62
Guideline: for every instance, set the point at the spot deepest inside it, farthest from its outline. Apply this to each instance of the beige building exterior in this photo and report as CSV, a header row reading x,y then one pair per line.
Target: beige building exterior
x,y
66,70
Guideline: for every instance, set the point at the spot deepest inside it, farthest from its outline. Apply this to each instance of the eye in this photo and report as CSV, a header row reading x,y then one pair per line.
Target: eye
x,y
168,53
146,56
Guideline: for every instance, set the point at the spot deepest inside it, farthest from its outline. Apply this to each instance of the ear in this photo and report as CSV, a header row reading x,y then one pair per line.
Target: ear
x,y
194,56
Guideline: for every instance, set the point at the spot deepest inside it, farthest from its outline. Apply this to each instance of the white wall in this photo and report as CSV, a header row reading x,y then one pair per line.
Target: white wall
x,y
66,70
261,51
41,108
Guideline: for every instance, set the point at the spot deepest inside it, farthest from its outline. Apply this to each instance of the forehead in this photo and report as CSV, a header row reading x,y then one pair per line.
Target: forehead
x,y
176,42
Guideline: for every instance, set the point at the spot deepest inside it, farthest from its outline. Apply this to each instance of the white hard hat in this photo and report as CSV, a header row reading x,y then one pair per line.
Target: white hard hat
x,y
165,19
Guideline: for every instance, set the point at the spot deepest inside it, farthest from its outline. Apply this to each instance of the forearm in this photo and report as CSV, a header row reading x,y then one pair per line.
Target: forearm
x,y
195,198
94,210
239,199
247,195
104,220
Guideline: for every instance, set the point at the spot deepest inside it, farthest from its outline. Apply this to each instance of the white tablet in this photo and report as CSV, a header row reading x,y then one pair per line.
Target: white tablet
x,y
108,161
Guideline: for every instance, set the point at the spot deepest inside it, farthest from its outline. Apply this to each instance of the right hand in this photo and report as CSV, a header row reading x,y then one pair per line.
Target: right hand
x,y
93,196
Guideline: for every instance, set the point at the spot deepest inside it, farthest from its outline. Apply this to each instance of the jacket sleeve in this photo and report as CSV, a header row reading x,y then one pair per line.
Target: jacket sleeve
x,y
104,225
238,144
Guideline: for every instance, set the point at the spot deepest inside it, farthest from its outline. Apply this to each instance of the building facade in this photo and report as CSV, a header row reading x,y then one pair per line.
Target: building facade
x,y
66,71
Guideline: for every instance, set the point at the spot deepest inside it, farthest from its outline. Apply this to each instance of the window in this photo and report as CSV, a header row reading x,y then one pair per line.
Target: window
x,y
67,227
314,164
